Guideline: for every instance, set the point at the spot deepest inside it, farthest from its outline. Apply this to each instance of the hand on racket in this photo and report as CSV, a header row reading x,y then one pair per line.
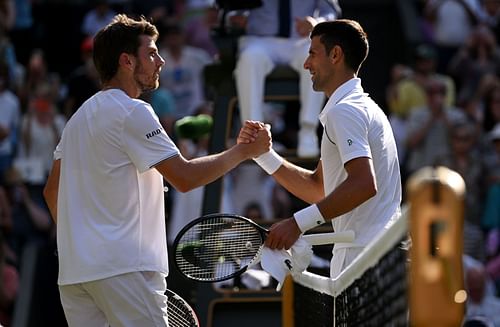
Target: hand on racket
x,y
180,313
218,247
283,234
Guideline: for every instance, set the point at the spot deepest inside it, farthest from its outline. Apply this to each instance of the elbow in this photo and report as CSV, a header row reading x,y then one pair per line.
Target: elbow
x,y
183,185
45,193
370,189
183,188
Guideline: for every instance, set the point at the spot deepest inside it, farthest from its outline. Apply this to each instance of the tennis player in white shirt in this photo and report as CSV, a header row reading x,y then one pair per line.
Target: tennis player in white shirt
x,y
105,190
357,183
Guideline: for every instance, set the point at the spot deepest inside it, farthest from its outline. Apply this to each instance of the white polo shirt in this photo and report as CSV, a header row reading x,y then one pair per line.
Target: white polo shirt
x,y
111,216
354,127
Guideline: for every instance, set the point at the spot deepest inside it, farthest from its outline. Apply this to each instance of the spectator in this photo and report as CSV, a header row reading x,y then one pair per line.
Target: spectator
x,y
83,81
463,159
9,285
163,104
41,128
407,92
476,58
451,23
31,220
491,10
409,89
182,73
156,9
491,107
479,302
22,33
9,121
491,216
7,14
8,54
278,36
429,128
37,73
198,20
96,18
479,321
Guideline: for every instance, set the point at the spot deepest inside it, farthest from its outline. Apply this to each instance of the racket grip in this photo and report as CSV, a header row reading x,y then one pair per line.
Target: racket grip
x,y
329,238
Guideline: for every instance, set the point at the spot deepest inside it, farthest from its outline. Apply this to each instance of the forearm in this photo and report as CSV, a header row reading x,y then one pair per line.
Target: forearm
x,y
204,170
305,184
357,188
185,175
345,198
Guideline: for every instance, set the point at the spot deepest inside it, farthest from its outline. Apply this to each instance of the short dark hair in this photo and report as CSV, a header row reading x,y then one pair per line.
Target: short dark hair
x,y
347,34
119,36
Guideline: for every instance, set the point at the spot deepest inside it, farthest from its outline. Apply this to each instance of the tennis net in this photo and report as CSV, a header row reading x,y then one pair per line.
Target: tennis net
x,y
371,291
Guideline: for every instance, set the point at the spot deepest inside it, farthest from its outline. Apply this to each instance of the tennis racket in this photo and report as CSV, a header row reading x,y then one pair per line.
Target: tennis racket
x,y
180,313
218,247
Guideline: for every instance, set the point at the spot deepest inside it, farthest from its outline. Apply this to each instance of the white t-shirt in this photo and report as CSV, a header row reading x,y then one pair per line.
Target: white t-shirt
x,y
354,127
111,217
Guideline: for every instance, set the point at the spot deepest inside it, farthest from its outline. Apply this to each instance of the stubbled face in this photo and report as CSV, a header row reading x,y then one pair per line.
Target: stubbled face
x,y
319,66
149,64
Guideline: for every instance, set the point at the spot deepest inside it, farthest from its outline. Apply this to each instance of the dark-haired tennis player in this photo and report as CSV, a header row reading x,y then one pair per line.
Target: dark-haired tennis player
x,y
105,190
357,182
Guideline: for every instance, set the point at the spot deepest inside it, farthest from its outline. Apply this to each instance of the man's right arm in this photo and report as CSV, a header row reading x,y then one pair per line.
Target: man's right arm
x,y
51,189
185,175
305,184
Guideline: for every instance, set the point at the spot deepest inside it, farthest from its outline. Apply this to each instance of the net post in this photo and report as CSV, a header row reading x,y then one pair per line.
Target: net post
x,y
436,291
287,303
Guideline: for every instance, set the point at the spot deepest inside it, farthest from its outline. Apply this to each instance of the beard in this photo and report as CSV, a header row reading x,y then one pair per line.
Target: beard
x,y
144,81
316,85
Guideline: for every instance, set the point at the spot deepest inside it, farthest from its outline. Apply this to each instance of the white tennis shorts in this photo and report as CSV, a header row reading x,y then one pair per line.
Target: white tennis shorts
x,y
127,300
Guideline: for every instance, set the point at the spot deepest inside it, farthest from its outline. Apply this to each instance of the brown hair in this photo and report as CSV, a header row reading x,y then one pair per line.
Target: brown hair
x,y
120,36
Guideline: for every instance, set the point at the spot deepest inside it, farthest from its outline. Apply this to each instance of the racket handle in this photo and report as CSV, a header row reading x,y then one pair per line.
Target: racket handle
x,y
329,238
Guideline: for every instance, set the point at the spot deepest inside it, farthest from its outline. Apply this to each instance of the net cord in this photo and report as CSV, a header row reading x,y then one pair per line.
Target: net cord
x,y
368,258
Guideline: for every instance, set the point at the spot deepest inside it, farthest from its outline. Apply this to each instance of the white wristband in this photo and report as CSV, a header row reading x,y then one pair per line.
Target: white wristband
x,y
269,161
308,218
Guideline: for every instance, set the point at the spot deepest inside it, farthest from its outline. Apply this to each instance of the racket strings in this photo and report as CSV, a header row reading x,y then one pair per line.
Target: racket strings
x,y
179,315
217,248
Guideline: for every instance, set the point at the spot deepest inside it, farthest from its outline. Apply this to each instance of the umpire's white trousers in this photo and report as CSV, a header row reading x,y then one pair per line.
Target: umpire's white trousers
x,y
257,58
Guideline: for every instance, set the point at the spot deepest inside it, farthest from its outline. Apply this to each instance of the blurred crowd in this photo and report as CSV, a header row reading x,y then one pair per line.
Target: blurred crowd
x,y
444,107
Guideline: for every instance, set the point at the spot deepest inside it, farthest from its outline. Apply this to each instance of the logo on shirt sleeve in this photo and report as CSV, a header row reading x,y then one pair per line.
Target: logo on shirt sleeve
x,y
153,133
349,142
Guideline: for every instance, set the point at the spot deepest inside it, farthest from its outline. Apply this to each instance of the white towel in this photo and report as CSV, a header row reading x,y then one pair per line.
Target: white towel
x,y
280,263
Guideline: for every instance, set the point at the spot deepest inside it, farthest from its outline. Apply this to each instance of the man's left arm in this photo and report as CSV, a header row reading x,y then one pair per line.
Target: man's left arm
x,y
359,186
